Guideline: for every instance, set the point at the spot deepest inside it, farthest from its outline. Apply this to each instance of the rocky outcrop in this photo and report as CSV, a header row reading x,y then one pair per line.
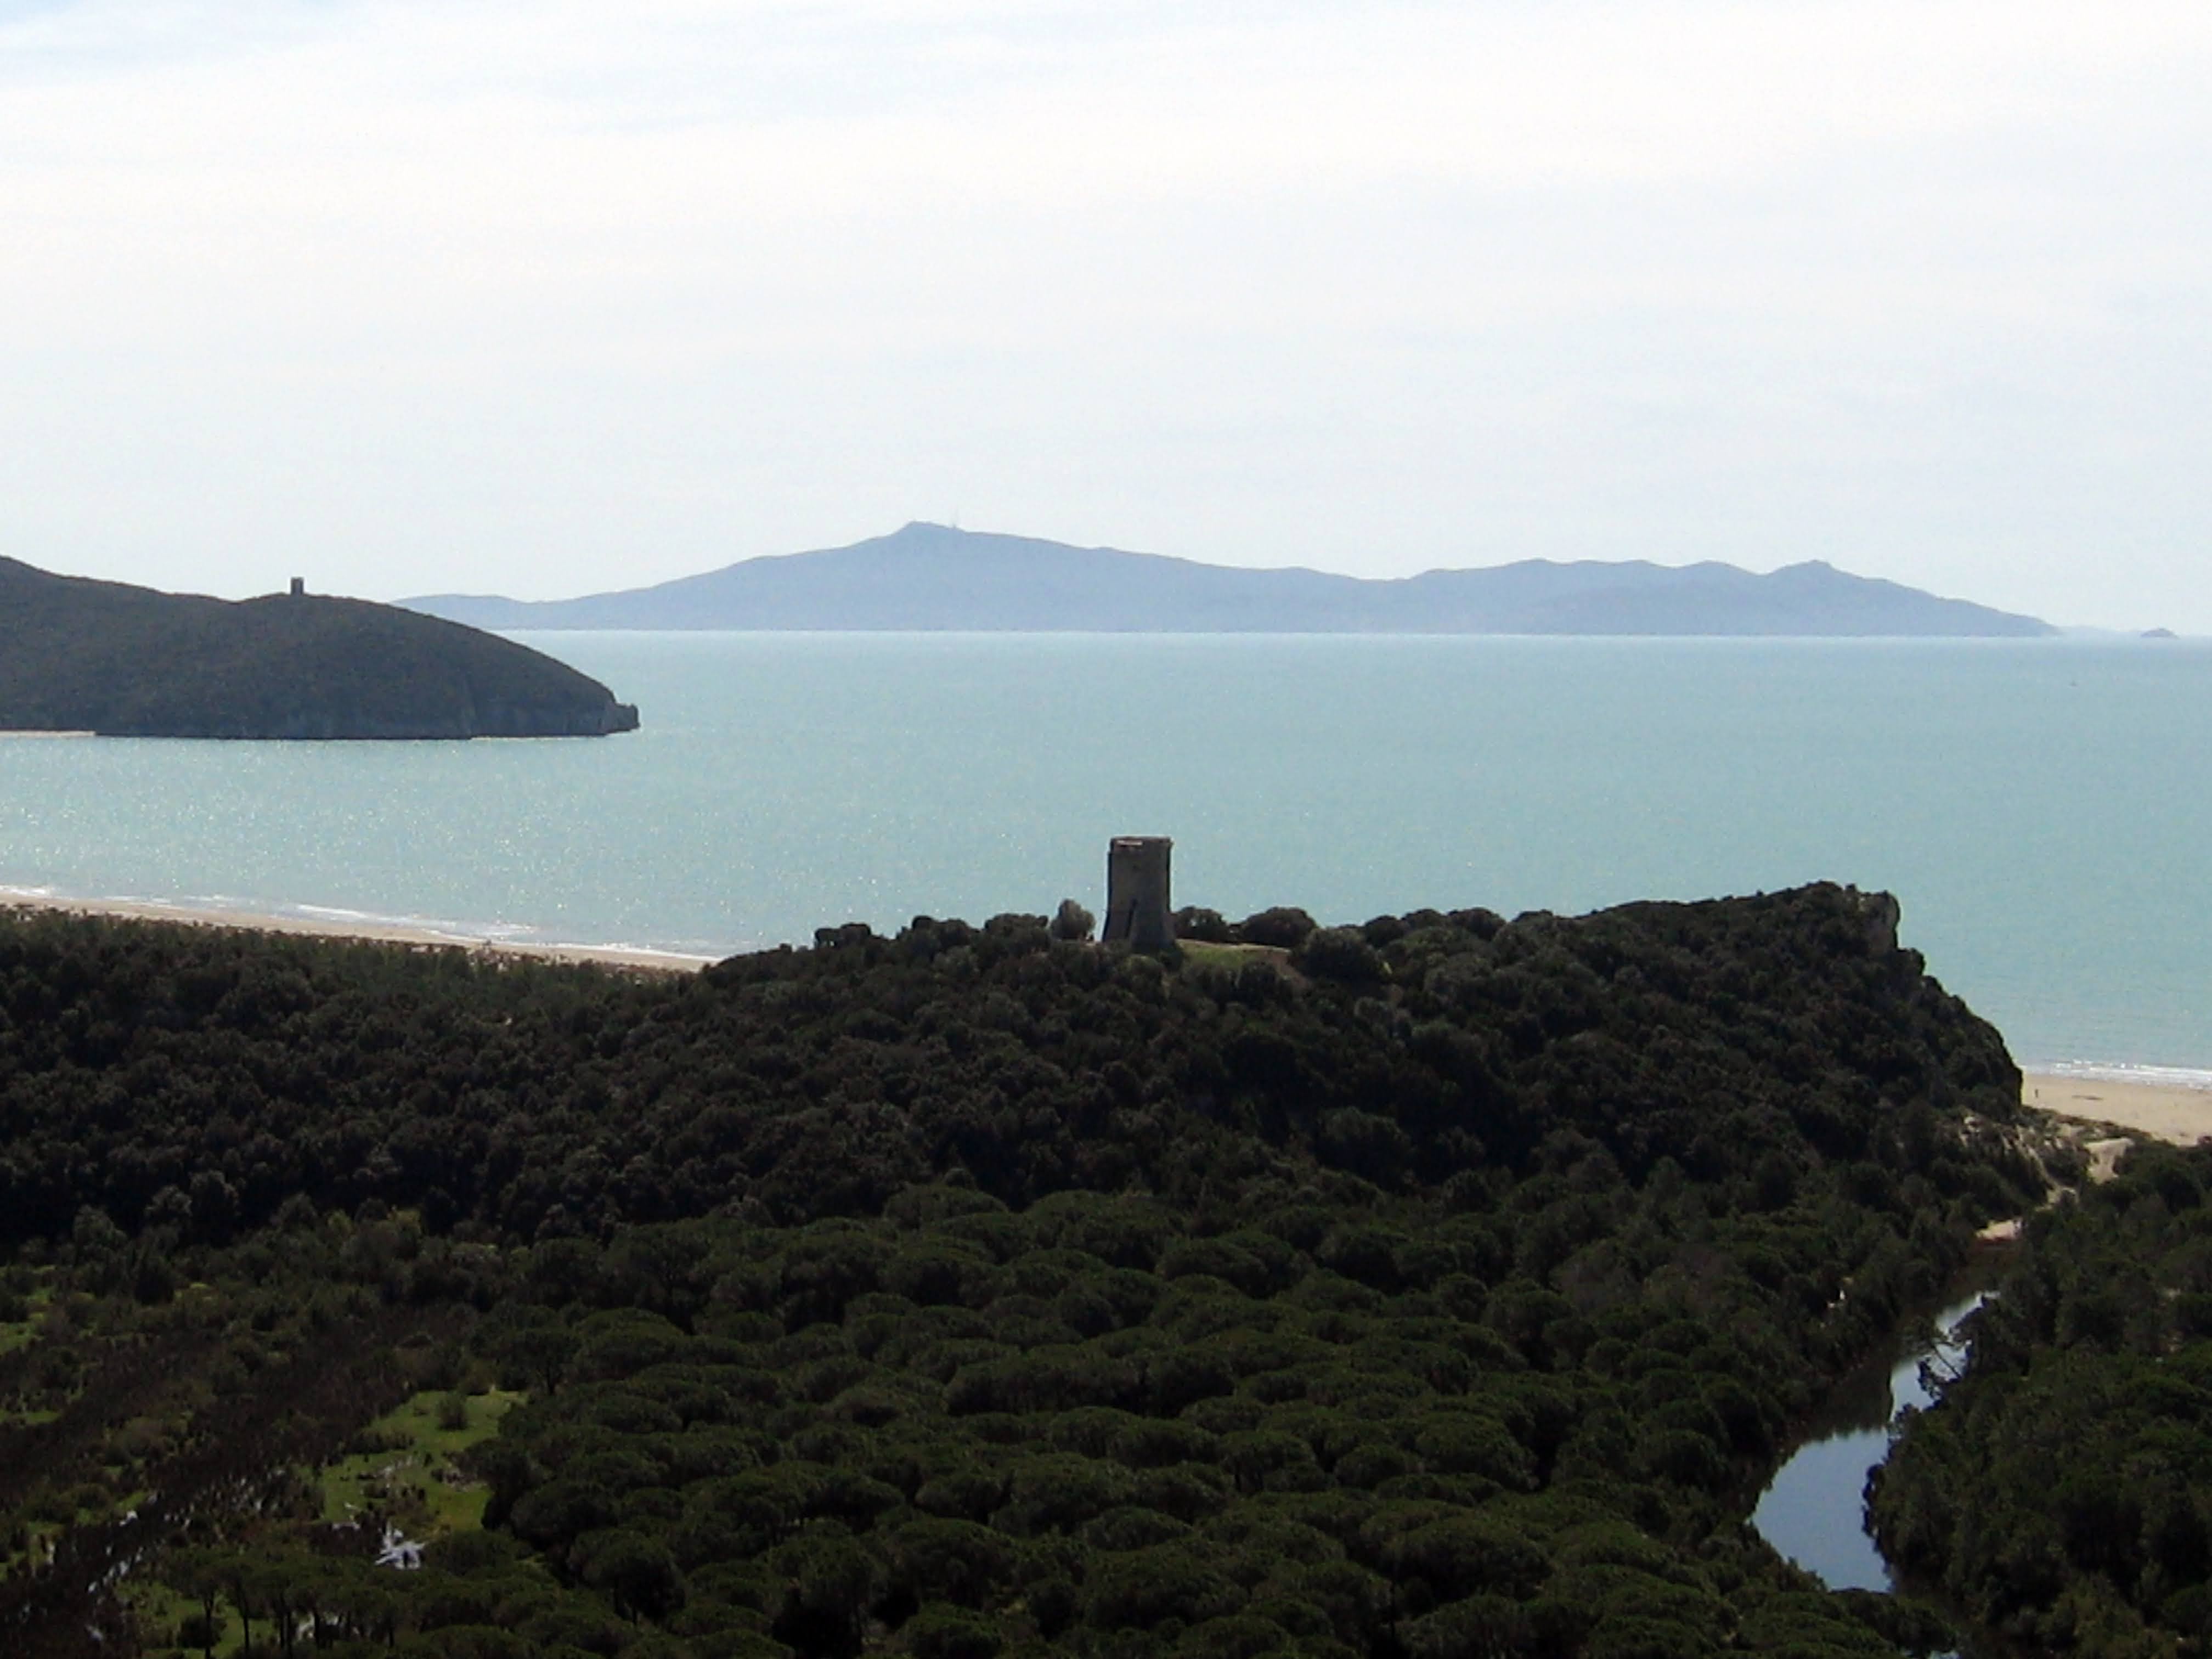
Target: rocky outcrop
x,y
1880,914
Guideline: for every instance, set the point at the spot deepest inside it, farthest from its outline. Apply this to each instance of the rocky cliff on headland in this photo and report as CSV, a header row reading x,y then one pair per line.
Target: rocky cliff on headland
x,y
77,655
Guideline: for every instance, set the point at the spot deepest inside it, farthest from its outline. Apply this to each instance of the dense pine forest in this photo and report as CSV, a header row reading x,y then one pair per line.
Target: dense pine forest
x,y
1441,1287
2062,1492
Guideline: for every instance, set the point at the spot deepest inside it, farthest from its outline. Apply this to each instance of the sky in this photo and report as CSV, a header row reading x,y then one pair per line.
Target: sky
x,y
544,297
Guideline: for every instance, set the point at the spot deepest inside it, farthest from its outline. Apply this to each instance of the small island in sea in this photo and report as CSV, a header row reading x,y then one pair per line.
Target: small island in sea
x,y
79,655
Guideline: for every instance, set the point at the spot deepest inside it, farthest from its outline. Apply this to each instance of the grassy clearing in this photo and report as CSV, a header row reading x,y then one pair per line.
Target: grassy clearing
x,y
412,1481
412,1477
1200,954
160,1610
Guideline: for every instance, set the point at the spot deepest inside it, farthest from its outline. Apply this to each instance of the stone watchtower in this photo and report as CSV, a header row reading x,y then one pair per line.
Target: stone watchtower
x,y
1137,892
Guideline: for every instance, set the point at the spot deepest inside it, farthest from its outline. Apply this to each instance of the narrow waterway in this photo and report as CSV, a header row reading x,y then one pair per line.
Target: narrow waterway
x,y
1813,1511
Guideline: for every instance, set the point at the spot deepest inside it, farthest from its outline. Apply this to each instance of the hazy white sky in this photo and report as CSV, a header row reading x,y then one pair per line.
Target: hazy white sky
x,y
541,297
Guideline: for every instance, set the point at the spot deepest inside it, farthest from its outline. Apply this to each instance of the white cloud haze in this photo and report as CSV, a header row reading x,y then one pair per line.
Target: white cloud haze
x,y
545,298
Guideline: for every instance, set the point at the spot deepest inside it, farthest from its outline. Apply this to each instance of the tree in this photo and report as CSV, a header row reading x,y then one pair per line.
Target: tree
x,y
202,1575
637,1574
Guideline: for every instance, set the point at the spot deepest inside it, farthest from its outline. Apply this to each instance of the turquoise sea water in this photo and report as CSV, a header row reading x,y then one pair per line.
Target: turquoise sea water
x,y
2043,809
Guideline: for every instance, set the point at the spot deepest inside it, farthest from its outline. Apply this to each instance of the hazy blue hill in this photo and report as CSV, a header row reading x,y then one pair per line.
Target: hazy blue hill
x,y
92,656
929,577
1811,599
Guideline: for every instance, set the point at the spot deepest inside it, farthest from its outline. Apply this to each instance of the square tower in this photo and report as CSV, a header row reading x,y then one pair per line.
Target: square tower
x,y
1137,907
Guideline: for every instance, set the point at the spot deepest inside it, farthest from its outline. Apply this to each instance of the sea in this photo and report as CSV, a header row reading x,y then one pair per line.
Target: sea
x,y
2041,809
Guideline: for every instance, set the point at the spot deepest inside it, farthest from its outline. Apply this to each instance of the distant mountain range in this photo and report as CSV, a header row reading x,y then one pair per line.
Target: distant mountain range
x,y
930,577
77,655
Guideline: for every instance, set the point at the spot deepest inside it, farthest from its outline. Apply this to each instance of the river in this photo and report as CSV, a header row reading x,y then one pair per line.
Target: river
x,y
1813,1510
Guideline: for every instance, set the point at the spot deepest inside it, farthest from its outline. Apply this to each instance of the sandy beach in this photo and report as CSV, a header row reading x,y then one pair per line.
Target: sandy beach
x,y
603,955
2165,1111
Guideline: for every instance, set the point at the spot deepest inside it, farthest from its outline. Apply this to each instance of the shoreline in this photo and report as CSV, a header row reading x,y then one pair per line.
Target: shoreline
x,y
2170,1110
2166,1105
421,936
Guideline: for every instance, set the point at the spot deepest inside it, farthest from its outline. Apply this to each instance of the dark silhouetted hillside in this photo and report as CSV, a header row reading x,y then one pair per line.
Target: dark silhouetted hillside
x,y
1439,1287
89,656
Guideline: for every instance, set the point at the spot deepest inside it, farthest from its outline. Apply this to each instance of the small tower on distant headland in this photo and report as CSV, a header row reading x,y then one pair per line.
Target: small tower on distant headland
x,y
1137,907
299,587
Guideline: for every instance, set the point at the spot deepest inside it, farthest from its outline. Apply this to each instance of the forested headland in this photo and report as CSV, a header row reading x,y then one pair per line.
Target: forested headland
x,y
77,655
1440,1286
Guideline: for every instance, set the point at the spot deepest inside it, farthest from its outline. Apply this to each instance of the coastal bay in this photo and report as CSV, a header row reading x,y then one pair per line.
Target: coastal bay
x,y
2033,803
